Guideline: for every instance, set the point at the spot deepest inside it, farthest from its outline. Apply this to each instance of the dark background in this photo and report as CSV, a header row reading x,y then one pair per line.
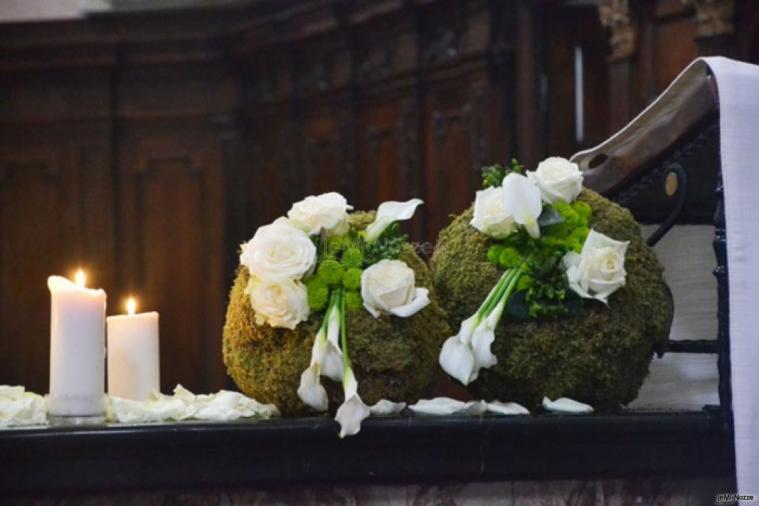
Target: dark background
x,y
147,147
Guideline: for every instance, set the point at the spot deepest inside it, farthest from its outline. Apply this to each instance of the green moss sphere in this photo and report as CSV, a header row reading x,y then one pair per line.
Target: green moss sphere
x,y
394,358
599,356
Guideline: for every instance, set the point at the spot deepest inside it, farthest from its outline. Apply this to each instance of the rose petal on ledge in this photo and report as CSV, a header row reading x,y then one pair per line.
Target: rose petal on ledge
x,y
507,408
473,408
420,301
566,405
443,406
129,411
384,407
19,407
439,406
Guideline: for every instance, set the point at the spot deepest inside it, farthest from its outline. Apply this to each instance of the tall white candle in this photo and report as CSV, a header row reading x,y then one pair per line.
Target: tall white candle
x,y
77,348
133,354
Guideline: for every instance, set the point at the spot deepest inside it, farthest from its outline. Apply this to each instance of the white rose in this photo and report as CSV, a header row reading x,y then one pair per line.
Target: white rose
x,y
389,287
327,211
279,251
490,216
599,270
559,179
280,303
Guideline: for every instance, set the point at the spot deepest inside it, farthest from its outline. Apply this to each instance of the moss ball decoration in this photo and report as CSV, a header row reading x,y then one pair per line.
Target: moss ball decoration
x,y
599,356
394,358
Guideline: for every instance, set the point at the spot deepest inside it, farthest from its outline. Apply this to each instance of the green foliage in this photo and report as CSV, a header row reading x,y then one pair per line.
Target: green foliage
x,y
492,175
543,291
352,257
494,253
353,300
335,244
387,246
330,271
509,258
318,293
352,278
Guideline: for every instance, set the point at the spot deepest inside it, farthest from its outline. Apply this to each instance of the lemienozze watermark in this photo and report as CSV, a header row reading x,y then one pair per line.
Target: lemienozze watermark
x,y
732,498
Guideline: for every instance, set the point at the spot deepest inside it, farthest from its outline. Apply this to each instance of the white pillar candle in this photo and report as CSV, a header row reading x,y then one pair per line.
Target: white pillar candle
x,y
77,349
133,354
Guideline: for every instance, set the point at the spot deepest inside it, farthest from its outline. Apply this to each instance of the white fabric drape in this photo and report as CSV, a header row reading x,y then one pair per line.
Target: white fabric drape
x,y
738,87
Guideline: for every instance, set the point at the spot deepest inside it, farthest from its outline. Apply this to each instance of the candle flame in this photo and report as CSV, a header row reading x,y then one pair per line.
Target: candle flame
x,y
80,278
131,305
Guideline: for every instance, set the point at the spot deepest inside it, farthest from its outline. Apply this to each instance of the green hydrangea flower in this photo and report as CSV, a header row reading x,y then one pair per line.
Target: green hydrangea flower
x,y
353,300
318,294
352,257
352,278
331,272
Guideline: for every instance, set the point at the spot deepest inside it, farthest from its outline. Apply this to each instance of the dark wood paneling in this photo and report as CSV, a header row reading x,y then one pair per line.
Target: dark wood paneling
x,y
455,145
147,148
173,221
54,218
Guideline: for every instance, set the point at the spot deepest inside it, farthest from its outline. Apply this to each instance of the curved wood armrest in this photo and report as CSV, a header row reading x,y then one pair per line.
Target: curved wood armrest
x,y
633,151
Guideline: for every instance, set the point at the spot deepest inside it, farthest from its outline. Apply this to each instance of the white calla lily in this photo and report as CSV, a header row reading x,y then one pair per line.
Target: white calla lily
x,y
389,212
457,360
311,391
484,335
352,411
522,201
384,407
332,359
566,405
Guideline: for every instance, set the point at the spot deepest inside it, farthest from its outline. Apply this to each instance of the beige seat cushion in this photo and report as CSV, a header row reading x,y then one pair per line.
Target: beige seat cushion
x,y
685,380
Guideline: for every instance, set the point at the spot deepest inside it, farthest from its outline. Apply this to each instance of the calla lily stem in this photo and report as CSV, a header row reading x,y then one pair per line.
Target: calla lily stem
x,y
340,304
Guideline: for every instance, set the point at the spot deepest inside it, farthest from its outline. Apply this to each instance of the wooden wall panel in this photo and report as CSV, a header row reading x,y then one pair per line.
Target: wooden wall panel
x,y
272,166
172,235
387,149
455,146
53,219
31,192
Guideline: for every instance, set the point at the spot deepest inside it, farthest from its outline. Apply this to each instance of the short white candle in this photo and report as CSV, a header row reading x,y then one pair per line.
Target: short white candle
x,y
77,348
133,354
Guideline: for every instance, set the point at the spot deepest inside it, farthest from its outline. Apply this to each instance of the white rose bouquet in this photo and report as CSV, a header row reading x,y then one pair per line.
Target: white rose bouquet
x,y
313,263
549,256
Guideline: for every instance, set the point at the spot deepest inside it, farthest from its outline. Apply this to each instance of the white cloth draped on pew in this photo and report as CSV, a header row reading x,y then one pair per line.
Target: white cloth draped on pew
x,y
738,89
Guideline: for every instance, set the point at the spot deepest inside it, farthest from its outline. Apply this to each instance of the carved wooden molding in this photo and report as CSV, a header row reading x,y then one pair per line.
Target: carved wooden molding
x,y
616,16
713,17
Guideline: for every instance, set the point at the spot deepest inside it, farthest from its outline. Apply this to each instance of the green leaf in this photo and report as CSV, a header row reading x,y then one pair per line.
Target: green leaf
x,y
549,216
492,175
517,306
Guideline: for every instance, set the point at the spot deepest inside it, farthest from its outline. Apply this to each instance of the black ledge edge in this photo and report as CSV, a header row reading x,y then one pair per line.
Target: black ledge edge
x,y
392,450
